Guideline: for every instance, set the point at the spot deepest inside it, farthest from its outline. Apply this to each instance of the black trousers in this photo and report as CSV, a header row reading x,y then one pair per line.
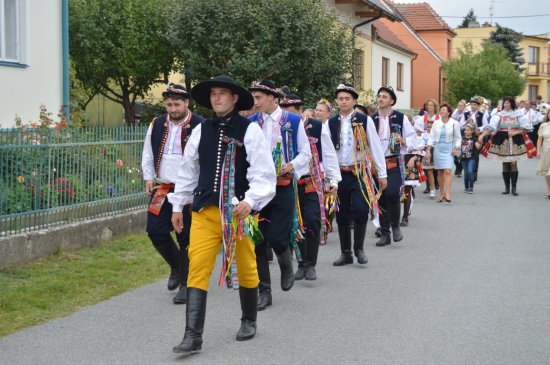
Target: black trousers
x,y
276,221
159,226
352,206
390,201
311,217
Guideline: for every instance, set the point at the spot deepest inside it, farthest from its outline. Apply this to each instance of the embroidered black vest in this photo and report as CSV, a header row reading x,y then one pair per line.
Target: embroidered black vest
x,y
335,127
395,119
160,133
212,149
313,129
479,117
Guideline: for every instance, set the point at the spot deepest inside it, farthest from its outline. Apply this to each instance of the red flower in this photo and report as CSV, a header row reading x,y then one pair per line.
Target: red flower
x,y
119,163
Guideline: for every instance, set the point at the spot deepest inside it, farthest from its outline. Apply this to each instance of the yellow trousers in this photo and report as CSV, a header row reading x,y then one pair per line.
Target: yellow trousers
x,y
205,240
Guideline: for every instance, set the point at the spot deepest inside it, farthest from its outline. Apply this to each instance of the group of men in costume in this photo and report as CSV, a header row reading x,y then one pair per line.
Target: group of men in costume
x,y
267,180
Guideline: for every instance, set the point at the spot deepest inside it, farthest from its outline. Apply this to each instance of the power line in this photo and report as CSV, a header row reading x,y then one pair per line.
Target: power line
x,y
498,17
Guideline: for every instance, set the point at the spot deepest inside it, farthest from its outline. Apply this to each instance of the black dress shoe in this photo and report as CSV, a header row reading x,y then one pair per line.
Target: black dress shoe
x,y
384,240
300,273
361,257
310,273
181,296
344,259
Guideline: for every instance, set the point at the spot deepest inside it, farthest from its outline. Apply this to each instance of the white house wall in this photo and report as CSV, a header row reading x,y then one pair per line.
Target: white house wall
x,y
22,90
380,50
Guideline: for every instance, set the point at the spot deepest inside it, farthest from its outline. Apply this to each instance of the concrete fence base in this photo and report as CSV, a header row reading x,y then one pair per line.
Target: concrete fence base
x,y
22,248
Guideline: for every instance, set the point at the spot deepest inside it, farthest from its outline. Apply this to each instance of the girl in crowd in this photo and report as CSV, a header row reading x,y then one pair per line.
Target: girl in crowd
x,y
445,139
457,115
543,151
426,117
467,155
323,110
509,142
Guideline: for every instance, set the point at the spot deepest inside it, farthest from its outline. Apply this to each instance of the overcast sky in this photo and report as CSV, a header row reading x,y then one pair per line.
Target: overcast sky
x,y
528,26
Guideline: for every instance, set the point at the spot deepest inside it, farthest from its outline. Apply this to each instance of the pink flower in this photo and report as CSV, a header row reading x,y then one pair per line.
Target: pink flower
x,y
119,163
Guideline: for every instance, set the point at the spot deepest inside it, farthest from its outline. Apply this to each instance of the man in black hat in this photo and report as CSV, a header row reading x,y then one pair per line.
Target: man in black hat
x,y
395,131
362,166
285,135
477,118
311,187
162,154
225,175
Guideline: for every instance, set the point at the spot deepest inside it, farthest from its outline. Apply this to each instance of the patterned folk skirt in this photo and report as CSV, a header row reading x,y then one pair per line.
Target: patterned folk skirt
x,y
504,149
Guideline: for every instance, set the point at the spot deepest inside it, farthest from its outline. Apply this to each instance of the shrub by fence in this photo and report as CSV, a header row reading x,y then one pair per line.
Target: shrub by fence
x,y
52,176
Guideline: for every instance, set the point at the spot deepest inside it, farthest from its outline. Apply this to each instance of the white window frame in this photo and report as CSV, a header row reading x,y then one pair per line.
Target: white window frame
x,y
22,21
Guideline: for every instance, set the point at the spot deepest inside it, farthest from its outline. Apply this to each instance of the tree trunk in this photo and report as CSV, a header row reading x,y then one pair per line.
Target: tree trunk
x,y
129,108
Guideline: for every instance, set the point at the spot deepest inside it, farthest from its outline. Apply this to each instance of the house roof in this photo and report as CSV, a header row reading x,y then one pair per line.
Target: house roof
x,y
421,16
391,13
384,34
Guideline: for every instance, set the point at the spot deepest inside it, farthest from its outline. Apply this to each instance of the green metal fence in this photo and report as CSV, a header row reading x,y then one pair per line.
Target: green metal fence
x,y
50,177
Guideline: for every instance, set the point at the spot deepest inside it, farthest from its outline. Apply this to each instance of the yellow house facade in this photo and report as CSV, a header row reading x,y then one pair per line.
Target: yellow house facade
x,y
535,53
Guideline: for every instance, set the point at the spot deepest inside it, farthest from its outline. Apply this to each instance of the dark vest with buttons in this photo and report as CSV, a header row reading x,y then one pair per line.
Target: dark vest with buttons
x,y
313,129
159,130
479,117
395,119
334,124
212,149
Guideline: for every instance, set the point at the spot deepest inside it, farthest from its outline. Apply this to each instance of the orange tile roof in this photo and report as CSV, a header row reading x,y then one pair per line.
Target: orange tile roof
x,y
421,16
385,34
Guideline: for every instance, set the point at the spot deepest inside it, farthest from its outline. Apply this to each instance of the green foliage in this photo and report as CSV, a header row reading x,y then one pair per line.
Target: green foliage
x,y
118,48
489,74
470,17
299,43
509,39
61,284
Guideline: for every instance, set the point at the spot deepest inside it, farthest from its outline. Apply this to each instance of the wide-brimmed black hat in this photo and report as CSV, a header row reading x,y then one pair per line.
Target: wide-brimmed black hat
x,y
348,88
476,100
267,87
201,92
175,90
291,100
390,91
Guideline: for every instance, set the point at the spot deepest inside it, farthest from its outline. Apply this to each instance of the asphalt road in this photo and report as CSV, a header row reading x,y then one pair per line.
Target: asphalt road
x,y
470,284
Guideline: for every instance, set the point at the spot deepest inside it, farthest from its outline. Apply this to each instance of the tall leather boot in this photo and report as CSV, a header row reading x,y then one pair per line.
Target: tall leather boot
x,y
287,272
194,322
395,213
384,219
264,298
359,232
181,296
514,178
312,252
506,178
344,232
249,299
302,266
170,253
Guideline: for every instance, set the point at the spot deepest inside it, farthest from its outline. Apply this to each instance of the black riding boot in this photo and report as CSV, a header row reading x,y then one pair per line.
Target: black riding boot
x,y
249,300
302,266
312,252
359,232
171,254
287,272
194,322
506,178
395,213
514,178
344,232
264,298
384,219
181,297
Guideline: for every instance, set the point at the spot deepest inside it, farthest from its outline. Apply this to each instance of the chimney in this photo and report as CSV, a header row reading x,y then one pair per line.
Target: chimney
x,y
487,24
473,24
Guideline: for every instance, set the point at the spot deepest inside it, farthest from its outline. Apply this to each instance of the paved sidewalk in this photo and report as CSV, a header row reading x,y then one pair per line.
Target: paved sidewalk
x,y
468,285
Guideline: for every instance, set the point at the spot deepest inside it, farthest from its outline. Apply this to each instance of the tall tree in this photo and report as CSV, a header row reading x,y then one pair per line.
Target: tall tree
x,y
118,48
470,17
299,43
489,73
509,39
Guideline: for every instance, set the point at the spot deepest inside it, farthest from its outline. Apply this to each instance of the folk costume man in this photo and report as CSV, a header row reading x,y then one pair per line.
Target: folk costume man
x,y
162,154
324,176
225,175
286,139
361,159
395,132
